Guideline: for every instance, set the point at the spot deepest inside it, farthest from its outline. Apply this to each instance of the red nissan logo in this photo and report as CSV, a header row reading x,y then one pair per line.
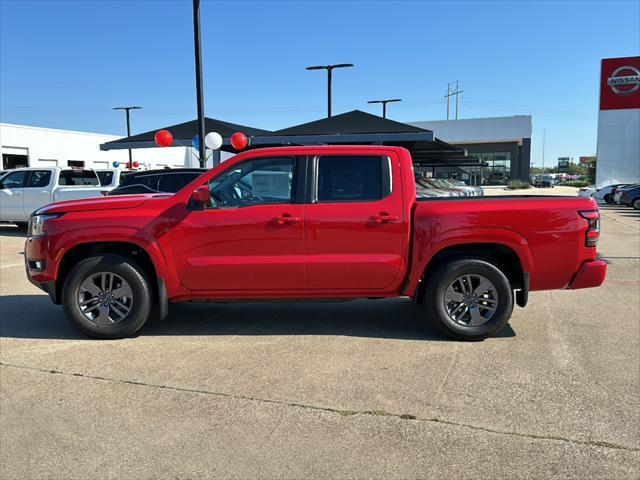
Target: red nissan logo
x,y
624,80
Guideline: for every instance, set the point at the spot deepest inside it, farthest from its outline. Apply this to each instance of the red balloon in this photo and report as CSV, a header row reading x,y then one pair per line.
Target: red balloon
x,y
164,138
239,141
128,165
136,164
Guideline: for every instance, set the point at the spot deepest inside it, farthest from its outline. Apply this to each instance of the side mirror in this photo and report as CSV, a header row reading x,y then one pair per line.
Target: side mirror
x,y
201,196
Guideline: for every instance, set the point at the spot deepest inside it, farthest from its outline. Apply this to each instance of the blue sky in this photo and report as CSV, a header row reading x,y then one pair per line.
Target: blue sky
x,y
64,64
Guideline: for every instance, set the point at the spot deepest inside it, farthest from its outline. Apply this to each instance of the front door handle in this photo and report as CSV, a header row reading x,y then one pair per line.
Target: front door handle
x,y
286,219
384,217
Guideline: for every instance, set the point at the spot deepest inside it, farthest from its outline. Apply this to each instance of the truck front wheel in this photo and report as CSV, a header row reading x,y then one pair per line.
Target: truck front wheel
x,y
468,299
107,296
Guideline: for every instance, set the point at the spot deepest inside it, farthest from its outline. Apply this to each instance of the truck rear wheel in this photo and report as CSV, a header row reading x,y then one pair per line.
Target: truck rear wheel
x,y
468,299
107,296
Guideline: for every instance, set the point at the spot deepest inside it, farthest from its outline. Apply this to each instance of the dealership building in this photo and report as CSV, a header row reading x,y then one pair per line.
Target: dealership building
x,y
27,146
480,151
503,144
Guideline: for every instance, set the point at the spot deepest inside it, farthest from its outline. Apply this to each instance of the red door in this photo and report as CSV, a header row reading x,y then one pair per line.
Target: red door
x,y
355,225
251,238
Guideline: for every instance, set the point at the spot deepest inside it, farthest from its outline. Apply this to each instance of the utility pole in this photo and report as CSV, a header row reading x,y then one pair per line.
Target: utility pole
x,y
544,139
126,110
329,69
199,90
384,104
451,93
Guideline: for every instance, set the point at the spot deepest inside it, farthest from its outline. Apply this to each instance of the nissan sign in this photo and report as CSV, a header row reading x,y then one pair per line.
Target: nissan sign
x,y
624,80
620,83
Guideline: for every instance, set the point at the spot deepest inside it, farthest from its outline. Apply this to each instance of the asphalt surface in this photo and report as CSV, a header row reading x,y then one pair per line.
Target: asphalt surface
x,y
311,390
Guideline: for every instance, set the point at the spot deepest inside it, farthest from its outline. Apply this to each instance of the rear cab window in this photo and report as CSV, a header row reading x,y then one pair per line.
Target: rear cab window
x,y
78,178
353,178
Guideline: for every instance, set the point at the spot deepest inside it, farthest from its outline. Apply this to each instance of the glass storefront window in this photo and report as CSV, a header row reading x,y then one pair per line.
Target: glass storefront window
x,y
498,170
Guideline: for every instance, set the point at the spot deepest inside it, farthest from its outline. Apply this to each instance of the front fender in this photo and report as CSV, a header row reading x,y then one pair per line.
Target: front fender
x,y
144,239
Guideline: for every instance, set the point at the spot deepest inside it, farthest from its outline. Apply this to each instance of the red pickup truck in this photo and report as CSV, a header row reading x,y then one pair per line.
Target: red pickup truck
x,y
320,222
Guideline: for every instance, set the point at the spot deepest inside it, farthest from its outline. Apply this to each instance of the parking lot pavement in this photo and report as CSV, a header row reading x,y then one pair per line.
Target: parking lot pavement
x,y
313,390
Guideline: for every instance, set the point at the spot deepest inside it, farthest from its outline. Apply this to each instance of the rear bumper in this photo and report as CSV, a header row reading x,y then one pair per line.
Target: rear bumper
x,y
591,274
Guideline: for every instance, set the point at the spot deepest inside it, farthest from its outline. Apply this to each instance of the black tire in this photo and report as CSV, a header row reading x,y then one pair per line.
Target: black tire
x,y
444,275
635,203
608,198
127,269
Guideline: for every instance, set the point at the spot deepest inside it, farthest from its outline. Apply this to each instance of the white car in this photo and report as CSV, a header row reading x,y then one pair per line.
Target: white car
x,y
587,191
604,194
24,190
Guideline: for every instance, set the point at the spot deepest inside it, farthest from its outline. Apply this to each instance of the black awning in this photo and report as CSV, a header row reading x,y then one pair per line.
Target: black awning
x,y
350,128
354,122
182,133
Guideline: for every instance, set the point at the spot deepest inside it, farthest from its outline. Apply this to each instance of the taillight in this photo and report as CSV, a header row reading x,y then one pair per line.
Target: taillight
x,y
593,227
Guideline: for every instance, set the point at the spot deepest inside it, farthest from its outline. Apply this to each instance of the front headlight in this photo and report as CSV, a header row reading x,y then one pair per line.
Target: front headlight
x,y
37,224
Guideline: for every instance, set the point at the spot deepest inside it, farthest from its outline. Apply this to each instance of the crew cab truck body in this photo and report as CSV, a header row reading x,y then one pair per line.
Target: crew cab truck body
x,y
322,222
24,190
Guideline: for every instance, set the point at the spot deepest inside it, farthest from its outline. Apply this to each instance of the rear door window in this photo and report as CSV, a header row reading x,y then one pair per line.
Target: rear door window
x,y
39,178
353,178
172,182
150,181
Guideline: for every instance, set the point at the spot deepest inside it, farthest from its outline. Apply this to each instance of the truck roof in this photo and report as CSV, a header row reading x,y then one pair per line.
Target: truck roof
x,y
301,149
57,168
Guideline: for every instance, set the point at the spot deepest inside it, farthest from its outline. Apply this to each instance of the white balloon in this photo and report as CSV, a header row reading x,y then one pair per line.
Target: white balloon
x,y
213,140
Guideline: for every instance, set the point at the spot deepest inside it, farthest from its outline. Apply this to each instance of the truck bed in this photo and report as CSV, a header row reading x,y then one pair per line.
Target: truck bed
x,y
546,232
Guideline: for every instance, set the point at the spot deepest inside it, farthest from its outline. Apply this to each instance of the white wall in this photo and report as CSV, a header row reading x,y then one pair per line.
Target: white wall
x,y
480,130
47,146
618,147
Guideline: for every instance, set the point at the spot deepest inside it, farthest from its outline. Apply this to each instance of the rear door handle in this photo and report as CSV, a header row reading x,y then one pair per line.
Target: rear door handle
x,y
384,217
286,218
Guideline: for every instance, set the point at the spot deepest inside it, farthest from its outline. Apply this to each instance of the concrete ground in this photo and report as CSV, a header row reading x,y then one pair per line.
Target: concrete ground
x,y
360,389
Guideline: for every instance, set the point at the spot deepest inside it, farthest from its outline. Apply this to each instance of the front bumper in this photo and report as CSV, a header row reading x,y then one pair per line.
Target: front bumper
x,y
591,274
35,250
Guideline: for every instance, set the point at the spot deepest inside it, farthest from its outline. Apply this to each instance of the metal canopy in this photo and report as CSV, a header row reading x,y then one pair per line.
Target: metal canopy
x,y
183,133
350,128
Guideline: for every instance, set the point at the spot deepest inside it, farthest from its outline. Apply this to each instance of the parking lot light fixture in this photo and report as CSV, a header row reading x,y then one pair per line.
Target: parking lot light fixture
x,y
127,110
329,69
384,104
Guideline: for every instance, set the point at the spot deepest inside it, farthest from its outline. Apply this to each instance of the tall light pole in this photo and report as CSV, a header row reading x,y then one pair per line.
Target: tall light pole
x,y
384,104
199,90
127,110
329,69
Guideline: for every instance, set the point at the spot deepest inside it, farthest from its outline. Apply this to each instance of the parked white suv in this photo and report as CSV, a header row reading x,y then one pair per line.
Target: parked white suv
x,y
24,190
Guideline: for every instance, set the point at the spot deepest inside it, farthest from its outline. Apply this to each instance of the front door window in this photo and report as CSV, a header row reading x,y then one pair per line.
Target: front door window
x,y
255,182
